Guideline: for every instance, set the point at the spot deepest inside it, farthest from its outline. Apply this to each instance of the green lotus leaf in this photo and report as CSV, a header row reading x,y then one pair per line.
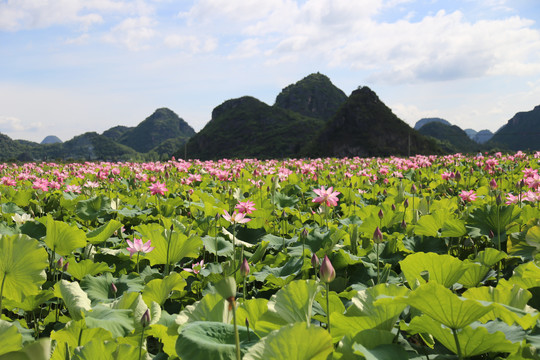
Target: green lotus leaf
x,y
473,274
442,269
75,334
104,232
294,302
381,352
91,209
170,247
37,350
441,304
133,301
10,338
211,243
118,321
430,225
334,303
22,261
532,237
159,290
87,267
364,302
510,303
96,349
293,342
212,307
526,275
167,335
63,238
260,319
203,340
369,338
30,302
472,341
489,219
75,299
490,257
99,288
453,228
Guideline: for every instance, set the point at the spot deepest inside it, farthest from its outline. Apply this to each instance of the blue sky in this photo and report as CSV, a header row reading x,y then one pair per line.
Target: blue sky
x,y
72,66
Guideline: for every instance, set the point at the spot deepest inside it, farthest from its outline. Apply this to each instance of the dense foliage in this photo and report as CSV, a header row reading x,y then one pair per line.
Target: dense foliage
x,y
395,258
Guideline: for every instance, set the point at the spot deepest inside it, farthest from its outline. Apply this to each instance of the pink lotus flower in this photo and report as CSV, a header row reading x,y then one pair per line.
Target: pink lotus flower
x,y
235,218
467,196
157,188
196,267
329,197
511,199
246,207
137,246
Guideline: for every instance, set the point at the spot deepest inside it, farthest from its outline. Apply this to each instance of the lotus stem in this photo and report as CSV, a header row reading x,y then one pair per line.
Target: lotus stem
x,y
458,347
2,292
327,307
236,335
141,343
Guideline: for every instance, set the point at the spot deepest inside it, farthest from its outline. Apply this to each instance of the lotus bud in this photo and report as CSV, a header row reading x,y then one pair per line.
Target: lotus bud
x,y
457,177
314,261
244,268
385,192
304,233
114,288
327,273
403,225
493,184
406,203
414,189
498,199
60,263
65,267
145,319
377,235
393,207
380,214
491,234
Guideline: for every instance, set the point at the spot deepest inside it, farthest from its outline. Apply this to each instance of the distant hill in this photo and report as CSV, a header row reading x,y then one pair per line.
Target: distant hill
x,y
162,125
452,138
246,127
365,126
51,139
521,132
425,121
93,146
483,136
314,96
471,133
116,132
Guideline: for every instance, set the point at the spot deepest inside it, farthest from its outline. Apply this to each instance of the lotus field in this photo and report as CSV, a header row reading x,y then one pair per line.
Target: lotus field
x,y
395,258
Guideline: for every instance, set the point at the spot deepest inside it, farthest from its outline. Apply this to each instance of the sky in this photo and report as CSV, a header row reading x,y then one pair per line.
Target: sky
x,y
72,66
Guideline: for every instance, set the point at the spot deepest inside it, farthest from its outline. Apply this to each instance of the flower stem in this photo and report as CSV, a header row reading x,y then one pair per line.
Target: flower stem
x,y
236,335
327,307
2,292
458,347
138,272
141,344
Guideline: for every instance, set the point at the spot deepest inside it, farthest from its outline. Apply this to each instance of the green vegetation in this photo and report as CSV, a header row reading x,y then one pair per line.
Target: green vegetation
x,y
452,138
314,96
522,132
365,126
162,125
247,127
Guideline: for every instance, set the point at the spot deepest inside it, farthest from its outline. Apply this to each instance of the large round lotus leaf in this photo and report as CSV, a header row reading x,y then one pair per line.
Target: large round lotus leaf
x,y
212,340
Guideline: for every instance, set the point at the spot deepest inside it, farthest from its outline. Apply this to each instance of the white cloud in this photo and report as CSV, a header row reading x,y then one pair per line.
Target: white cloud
x,y
133,33
10,124
190,43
